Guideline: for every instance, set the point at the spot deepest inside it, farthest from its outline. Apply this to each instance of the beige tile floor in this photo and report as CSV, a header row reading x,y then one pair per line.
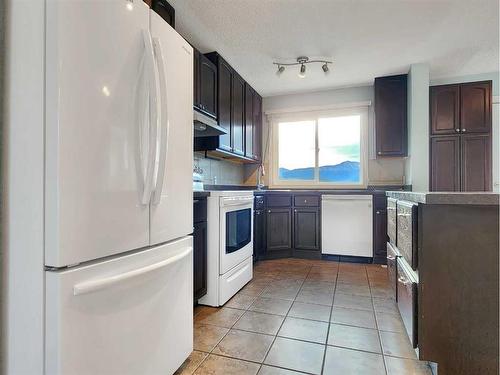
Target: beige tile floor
x,y
305,316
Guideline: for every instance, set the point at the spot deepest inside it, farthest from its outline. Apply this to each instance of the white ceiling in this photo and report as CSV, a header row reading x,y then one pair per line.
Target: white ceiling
x,y
364,38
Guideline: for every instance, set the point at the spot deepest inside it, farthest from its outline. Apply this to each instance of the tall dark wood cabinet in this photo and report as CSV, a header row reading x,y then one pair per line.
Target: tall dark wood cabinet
x,y
391,115
460,143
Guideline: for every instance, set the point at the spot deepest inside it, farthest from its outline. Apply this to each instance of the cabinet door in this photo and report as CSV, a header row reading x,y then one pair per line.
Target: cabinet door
x,y
476,162
238,114
200,260
249,93
445,109
475,102
306,229
259,236
208,86
445,163
279,229
257,127
390,115
196,78
224,106
380,231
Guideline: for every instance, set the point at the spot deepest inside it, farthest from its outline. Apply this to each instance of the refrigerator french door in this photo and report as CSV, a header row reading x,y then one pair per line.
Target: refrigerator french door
x,y
118,206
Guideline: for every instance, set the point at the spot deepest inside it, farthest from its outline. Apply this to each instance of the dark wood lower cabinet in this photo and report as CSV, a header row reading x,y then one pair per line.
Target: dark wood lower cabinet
x,y
476,162
259,236
199,260
445,163
306,225
279,229
380,237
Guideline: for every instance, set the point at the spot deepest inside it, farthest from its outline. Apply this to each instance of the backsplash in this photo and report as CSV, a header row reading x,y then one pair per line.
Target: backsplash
x,y
219,172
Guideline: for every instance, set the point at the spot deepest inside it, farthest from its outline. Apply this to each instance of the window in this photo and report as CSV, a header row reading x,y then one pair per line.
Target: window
x,y
320,148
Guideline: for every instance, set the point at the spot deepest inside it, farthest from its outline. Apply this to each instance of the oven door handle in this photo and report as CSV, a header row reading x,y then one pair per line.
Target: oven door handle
x,y
237,202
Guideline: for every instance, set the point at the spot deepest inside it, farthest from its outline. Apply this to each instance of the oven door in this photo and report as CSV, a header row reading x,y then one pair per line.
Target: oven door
x,y
236,228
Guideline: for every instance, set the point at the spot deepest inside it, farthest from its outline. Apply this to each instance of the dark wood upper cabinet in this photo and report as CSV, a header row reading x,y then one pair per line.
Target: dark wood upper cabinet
x,y
391,115
306,225
249,117
225,83
462,161
476,162
475,104
208,86
445,109
445,163
279,229
257,127
238,115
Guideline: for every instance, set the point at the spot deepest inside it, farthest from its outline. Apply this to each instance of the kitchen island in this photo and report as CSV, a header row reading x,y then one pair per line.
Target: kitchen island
x,y
449,244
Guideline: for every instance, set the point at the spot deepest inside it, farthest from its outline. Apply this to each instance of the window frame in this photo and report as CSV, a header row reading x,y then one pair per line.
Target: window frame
x,y
276,182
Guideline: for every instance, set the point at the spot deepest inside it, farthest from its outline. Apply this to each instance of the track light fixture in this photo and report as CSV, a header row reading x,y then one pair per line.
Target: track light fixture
x,y
302,61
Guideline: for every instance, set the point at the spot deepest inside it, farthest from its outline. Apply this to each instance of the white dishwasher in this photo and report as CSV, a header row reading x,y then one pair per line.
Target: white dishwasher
x,y
347,225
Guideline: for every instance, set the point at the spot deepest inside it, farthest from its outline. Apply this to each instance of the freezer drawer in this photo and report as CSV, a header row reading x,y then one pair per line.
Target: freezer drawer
x,y
407,299
391,220
392,269
407,232
128,315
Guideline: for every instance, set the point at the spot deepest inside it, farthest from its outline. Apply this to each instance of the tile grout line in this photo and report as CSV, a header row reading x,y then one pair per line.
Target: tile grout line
x,y
376,324
330,319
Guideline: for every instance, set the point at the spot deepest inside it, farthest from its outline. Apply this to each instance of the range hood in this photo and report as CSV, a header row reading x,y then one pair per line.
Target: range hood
x,y
205,126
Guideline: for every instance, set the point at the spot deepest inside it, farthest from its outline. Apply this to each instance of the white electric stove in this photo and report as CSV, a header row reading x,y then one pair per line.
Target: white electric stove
x,y
229,244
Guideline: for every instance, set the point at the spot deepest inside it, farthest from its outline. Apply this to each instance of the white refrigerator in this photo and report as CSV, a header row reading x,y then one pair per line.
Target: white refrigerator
x,y
118,190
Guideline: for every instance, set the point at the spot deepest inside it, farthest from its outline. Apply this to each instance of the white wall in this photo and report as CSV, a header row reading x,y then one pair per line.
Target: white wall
x,y
384,171
417,163
493,76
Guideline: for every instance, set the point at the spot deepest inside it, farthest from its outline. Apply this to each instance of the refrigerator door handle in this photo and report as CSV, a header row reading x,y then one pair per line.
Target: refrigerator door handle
x,y
164,123
155,117
99,284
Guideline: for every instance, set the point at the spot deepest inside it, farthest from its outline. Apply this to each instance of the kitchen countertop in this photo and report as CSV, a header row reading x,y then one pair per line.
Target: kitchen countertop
x,y
201,194
472,198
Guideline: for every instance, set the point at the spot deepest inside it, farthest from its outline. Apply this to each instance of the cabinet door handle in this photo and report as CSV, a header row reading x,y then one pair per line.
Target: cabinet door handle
x,y
269,211
464,130
378,212
457,130
294,210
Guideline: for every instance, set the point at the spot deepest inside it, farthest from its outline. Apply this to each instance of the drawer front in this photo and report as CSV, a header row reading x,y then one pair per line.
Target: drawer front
x,y
392,269
406,231
391,220
279,200
407,300
260,202
306,201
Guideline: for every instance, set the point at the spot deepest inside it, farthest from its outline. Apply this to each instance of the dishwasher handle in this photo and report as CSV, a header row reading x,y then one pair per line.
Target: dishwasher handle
x,y
341,197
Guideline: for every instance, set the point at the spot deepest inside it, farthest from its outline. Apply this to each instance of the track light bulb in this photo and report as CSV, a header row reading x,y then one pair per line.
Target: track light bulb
x,y
302,73
281,69
325,68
